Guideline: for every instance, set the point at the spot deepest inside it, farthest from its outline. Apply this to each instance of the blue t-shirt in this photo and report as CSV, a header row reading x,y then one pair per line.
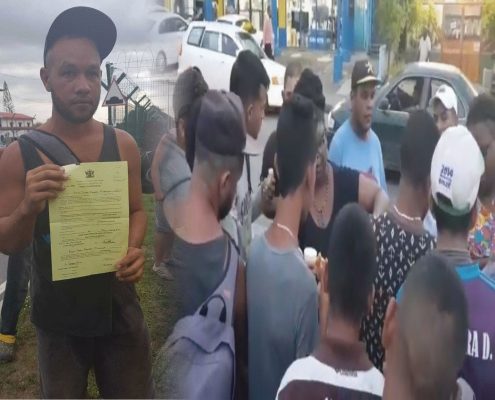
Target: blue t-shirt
x,y
348,150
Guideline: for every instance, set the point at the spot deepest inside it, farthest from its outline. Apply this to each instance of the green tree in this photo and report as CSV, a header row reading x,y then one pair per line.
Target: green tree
x,y
413,10
428,20
391,22
488,19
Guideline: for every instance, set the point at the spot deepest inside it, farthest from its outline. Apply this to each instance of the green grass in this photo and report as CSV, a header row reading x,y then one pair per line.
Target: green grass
x,y
20,378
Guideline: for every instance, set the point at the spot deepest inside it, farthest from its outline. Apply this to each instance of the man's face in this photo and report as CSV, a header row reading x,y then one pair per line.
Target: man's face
x,y
72,76
484,133
443,118
227,192
362,101
289,87
255,114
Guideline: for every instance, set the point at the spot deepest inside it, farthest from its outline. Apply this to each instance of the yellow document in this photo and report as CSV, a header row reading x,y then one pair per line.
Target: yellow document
x,y
89,220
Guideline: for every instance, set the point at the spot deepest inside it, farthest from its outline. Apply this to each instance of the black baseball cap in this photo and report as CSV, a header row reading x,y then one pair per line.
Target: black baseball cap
x,y
363,73
83,22
220,126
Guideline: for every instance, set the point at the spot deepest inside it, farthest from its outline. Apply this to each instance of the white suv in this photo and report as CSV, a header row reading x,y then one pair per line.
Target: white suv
x,y
212,47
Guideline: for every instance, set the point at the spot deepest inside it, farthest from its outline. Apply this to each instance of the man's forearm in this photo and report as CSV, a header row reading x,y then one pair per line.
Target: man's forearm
x,y
16,231
137,228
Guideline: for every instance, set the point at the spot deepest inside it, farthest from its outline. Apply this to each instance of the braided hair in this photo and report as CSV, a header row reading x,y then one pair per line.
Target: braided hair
x,y
189,87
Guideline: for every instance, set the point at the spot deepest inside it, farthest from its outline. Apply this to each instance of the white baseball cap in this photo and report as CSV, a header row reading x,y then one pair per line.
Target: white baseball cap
x,y
447,97
456,169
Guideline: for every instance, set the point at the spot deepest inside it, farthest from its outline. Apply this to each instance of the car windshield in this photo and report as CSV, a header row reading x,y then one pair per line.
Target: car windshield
x,y
248,43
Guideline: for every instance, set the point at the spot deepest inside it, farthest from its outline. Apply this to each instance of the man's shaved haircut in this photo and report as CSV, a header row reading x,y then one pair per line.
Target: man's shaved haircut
x,y
433,327
211,165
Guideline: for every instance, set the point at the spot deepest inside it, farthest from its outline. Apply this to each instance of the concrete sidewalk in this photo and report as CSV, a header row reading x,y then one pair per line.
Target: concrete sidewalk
x,y
321,62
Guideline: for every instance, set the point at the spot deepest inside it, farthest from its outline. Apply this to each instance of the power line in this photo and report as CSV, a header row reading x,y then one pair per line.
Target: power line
x,y
18,77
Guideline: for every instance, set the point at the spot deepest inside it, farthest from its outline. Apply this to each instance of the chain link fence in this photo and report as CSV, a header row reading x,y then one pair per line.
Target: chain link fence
x,y
149,110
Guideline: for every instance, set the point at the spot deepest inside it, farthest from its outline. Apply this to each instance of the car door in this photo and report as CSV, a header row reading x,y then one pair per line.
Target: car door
x,y
229,51
392,109
179,27
210,61
191,48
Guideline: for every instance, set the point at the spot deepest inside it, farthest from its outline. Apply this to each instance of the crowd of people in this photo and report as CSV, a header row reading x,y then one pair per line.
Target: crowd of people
x,y
347,294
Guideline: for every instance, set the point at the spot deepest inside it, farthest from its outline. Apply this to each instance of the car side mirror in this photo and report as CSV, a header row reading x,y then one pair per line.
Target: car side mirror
x,y
384,105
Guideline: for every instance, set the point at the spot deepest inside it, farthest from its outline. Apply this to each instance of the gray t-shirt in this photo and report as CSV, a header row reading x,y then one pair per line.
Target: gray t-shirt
x,y
175,179
198,270
175,173
282,314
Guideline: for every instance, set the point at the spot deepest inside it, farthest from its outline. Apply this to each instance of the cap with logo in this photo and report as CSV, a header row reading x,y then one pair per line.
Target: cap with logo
x,y
456,169
446,95
84,22
220,127
363,73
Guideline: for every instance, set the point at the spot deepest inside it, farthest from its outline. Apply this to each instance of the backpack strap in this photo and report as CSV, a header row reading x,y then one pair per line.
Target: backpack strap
x,y
227,287
248,166
51,146
30,156
241,334
225,292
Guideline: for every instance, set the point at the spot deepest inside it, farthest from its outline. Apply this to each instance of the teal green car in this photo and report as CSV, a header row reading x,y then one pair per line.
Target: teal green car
x,y
409,91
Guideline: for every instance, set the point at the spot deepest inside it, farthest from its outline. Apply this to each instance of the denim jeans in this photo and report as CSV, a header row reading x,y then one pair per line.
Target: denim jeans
x,y
121,363
18,273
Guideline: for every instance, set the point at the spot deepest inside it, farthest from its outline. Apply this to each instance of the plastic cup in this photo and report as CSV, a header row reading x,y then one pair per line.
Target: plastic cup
x,y
310,256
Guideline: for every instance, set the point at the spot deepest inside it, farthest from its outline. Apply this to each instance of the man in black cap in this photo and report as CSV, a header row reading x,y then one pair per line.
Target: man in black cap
x,y
355,145
95,321
216,126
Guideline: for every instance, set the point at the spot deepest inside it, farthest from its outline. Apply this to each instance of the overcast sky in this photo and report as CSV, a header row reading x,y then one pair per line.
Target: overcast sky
x,y
23,28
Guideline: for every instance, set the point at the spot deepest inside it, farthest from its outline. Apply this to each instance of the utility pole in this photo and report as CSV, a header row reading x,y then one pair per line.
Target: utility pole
x,y
109,68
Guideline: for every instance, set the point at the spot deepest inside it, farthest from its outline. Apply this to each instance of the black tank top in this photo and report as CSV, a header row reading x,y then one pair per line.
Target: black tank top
x,y
90,306
345,190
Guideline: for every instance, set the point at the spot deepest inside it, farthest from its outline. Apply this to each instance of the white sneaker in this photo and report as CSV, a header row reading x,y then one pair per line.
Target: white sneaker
x,y
163,271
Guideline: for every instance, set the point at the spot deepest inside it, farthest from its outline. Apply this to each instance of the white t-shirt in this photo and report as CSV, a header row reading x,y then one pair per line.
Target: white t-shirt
x,y
424,48
312,377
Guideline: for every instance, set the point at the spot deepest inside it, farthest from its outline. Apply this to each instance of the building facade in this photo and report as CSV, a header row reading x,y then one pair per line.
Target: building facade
x,y
13,125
